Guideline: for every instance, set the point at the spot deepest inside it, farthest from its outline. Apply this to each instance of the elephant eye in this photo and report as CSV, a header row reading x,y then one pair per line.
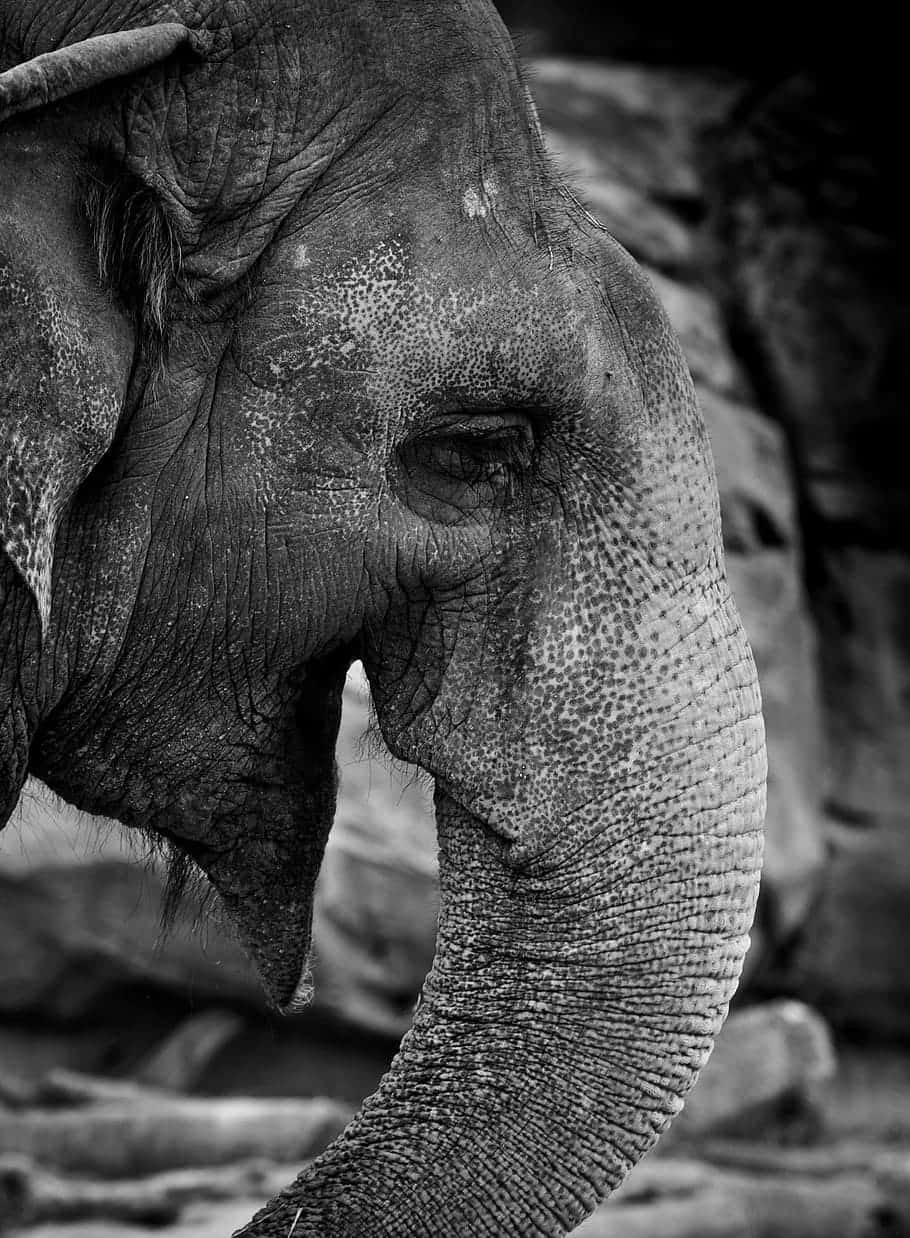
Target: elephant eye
x,y
470,460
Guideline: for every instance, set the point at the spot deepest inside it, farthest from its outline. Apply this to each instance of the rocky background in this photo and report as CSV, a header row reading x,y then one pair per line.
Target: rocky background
x,y
753,180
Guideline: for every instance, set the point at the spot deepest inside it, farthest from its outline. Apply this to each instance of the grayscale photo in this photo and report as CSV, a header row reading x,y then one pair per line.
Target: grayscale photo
x,y
454,621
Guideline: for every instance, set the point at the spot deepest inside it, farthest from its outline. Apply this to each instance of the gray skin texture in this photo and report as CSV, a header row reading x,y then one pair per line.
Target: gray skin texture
x,y
385,392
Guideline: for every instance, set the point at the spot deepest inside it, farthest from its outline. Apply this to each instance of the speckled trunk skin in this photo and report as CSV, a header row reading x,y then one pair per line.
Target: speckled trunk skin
x,y
413,406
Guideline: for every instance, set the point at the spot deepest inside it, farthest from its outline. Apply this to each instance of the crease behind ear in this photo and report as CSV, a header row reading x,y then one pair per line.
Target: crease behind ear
x,y
66,352
65,71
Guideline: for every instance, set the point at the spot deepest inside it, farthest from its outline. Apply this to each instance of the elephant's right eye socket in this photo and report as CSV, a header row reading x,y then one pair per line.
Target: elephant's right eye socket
x,y
469,461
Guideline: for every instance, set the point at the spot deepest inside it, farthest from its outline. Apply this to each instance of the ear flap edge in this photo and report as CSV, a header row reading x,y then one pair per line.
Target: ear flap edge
x,y
66,351
57,74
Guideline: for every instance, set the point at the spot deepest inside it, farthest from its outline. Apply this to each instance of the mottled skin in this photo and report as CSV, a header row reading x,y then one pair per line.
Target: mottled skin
x,y
411,405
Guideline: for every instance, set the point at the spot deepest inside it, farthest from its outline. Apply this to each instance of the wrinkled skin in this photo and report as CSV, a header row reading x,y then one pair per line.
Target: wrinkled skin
x,y
398,398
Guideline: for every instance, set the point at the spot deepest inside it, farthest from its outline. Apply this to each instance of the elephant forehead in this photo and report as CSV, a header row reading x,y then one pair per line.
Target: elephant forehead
x,y
379,333
423,328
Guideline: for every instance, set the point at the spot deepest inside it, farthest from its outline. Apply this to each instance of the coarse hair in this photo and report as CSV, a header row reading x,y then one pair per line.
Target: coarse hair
x,y
138,252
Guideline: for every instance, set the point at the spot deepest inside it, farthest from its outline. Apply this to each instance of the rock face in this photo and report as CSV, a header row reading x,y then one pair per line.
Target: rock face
x,y
791,305
818,292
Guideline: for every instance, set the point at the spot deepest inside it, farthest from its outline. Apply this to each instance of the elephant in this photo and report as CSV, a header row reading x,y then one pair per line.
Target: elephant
x,y
308,355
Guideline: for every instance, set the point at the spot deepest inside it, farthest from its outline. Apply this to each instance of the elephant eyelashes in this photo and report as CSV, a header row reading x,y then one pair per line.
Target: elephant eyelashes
x,y
471,460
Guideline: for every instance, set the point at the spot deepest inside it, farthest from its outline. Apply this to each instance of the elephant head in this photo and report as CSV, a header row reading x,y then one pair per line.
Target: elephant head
x,y
307,356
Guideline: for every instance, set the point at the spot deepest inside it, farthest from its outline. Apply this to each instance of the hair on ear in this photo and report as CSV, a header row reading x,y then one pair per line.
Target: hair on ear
x,y
139,255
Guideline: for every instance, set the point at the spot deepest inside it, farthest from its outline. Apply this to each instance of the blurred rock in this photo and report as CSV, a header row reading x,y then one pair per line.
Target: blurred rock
x,y
141,1132
688,1200
814,269
696,318
74,929
203,1219
771,598
754,476
640,124
864,621
712,33
851,959
766,1059
812,257
650,232
31,1195
177,1064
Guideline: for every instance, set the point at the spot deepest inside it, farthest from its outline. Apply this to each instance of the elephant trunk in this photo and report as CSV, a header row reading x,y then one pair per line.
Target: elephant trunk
x,y
573,999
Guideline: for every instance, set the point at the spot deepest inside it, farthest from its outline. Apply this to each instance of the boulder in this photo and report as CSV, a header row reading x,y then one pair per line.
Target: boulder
x,y
642,124
812,258
768,1062
813,270
863,620
852,954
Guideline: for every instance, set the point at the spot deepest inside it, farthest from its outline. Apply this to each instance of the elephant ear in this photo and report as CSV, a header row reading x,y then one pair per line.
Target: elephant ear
x,y
65,355
67,70
66,344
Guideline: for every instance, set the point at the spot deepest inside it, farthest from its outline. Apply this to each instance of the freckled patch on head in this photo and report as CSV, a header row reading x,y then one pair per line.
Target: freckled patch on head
x,y
371,342
301,257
